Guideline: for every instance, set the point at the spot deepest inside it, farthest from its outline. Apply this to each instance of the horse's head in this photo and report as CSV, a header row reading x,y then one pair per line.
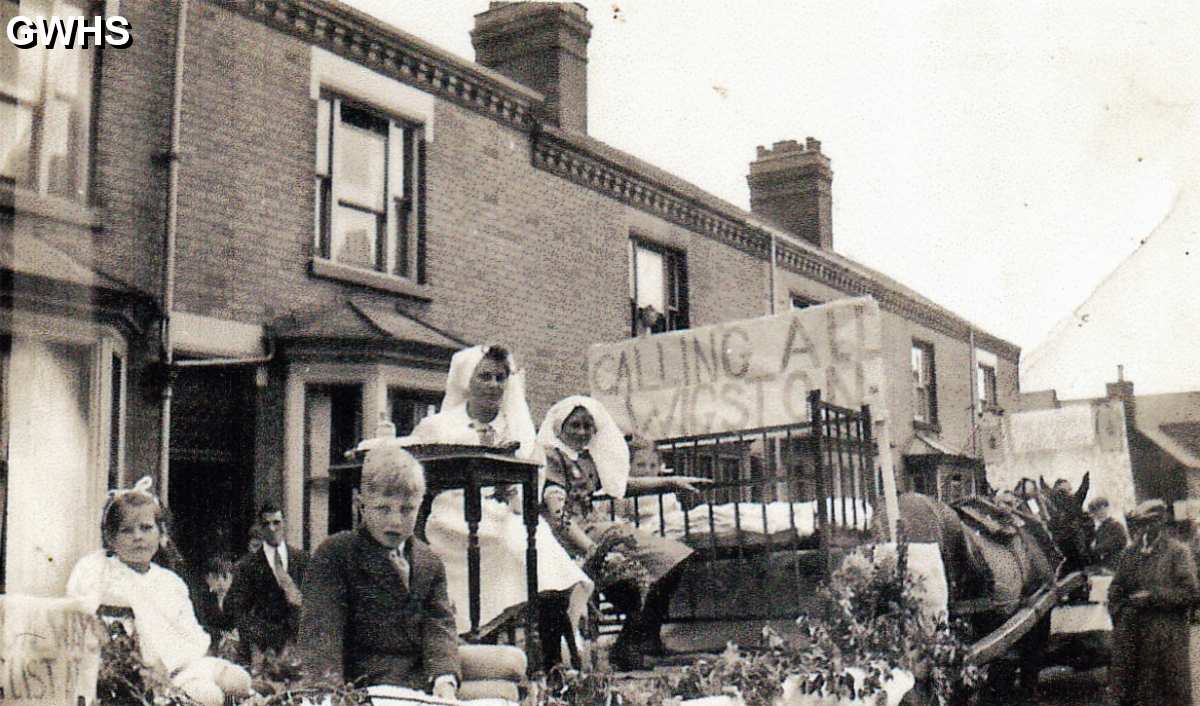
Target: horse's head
x,y
1065,516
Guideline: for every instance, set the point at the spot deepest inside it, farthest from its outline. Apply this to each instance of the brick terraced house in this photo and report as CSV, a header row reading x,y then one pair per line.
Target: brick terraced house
x,y
266,223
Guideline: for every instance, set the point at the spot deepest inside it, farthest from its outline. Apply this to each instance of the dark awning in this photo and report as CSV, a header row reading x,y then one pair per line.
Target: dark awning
x,y
38,276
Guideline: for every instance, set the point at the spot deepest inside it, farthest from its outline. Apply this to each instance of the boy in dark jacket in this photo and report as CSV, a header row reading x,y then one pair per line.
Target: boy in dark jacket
x,y
375,605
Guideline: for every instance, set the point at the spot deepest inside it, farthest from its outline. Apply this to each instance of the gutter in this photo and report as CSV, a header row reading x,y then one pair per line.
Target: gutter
x,y
168,290
267,357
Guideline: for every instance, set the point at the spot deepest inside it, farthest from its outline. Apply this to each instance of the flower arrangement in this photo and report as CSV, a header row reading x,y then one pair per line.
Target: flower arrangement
x,y
608,565
868,645
125,680
870,636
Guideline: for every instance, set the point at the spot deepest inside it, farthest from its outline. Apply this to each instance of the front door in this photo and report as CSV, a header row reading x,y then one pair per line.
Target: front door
x,y
212,473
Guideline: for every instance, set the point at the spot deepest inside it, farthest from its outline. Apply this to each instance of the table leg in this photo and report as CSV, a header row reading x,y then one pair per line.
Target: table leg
x,y
532,638
473,512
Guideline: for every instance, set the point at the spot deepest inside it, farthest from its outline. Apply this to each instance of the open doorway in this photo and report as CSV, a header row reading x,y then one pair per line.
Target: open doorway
x,y
212,463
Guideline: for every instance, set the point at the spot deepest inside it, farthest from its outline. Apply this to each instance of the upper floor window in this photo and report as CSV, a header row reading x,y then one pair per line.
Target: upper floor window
x,y
369,177
658,291
924,377
986,380
45,108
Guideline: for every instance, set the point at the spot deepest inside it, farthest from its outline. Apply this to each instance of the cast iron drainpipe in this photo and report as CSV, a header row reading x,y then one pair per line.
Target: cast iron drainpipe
x,y
168,294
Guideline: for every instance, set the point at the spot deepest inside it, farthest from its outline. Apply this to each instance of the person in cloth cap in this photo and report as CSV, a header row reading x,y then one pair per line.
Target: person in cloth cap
x,y
375,608
1149,600
1110,535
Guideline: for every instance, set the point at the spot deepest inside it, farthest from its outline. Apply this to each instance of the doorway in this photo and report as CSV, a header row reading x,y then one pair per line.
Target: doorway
x,y
212,463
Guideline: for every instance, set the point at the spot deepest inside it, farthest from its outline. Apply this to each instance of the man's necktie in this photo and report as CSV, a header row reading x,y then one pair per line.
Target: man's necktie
x,y
401,565
277,567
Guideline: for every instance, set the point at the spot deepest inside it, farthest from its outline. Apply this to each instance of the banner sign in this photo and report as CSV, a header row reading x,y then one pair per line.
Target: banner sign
x,y
744,374
49,651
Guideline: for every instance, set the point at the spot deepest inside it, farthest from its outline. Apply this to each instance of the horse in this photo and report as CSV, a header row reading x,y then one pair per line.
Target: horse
x,y
1065,517
996,556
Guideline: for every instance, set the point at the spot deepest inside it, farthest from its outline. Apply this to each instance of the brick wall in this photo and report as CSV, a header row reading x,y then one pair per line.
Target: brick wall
x,y
506,261
514,254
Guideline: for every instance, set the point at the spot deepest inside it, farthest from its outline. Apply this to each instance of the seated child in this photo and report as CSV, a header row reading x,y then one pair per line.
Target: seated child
x,y
645,512
124,574
218,576
375,605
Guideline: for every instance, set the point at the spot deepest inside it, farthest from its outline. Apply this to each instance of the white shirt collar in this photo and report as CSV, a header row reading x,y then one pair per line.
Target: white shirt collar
x,y
267,549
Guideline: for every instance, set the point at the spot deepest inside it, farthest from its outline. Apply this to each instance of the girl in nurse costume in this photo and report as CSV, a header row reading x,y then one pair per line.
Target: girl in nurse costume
x,y
638,571
485,405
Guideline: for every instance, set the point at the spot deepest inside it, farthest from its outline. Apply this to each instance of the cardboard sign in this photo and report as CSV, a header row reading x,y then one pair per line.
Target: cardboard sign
x,y
49,651
742,374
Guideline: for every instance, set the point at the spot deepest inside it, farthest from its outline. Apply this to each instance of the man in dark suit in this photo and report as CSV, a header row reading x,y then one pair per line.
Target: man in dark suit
x,y
1111,537
376,609
264,598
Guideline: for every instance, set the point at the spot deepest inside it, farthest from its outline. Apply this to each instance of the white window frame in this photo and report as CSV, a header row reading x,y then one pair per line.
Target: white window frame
x,y
79,101
103,344
985,361
375,379
396,211
924,377
333,75
676,292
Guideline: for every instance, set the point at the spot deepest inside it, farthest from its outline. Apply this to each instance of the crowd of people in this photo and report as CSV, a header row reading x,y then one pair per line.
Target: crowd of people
x,y
376,605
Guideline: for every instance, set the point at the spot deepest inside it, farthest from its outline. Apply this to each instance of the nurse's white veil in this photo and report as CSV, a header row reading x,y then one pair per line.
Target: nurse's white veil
x,y
608,448
512,405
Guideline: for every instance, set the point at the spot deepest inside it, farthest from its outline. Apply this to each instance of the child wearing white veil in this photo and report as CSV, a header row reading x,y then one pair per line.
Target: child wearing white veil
x,y
485,405
586,452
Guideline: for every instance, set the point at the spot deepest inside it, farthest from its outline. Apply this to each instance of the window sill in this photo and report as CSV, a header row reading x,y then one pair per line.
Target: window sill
x,y
933,427
55,208
327,269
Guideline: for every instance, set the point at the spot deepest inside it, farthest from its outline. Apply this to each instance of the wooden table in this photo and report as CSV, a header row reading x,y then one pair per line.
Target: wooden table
x,y
471,469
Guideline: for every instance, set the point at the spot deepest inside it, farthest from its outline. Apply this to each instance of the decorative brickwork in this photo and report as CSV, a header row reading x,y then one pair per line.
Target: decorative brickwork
x,y
360,38
571,158
574,163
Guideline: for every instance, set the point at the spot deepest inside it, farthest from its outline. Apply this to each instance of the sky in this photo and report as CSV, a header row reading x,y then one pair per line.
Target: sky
x,y
1000,158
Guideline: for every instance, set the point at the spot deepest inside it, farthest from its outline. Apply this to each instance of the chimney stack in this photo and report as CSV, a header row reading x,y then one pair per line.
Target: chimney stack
x,y
542,45
791,187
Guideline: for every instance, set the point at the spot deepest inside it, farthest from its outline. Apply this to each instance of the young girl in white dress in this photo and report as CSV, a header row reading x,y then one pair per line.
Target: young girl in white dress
x,y
123,574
